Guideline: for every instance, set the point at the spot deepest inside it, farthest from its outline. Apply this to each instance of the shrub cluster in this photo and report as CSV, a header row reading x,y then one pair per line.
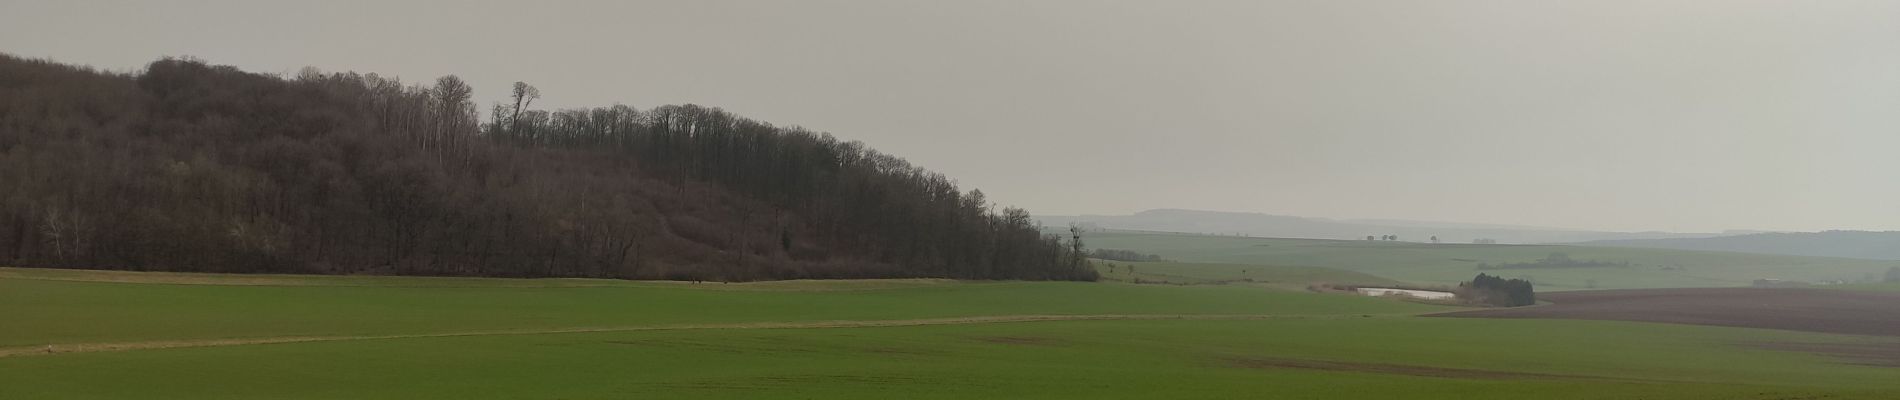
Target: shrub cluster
x,y
1497,291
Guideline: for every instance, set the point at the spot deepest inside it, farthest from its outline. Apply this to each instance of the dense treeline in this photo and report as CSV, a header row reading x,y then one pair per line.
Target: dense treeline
x,y
191,167
1497,291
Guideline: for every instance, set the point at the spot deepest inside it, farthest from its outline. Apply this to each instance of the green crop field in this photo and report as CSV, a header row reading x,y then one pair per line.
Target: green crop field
x,y
1447,264
198,336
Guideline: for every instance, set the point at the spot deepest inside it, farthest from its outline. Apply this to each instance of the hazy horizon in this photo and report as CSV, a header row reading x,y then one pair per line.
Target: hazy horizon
x,y
1683,116
1374,221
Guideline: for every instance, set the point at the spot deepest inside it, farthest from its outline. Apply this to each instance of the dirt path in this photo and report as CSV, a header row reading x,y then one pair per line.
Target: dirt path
x,y
170,344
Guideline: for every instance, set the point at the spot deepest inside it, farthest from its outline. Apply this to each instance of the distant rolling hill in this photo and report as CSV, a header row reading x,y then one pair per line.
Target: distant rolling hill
x,y
1847,244
1220,258
1255,224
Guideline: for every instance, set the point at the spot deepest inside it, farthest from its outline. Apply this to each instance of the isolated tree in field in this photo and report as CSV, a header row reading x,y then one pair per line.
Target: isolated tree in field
x,y
1434,239
1368,238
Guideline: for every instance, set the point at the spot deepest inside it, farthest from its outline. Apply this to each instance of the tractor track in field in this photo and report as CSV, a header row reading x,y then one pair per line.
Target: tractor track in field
x,y
21,351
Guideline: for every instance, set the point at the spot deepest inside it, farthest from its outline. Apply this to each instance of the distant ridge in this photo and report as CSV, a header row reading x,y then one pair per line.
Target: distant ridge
x,y
1257,224
1870,245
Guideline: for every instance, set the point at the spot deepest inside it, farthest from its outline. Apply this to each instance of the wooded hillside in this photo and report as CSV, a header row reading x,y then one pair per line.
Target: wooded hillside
x,y
187,166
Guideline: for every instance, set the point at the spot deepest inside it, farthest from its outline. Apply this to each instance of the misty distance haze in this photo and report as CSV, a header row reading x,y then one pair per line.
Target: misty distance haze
x,y
1630,116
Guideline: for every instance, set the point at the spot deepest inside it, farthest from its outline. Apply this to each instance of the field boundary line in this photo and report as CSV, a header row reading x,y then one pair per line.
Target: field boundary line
x,y
19,351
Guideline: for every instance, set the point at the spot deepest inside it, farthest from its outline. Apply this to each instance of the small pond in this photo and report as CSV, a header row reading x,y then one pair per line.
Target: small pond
x,y
1423,294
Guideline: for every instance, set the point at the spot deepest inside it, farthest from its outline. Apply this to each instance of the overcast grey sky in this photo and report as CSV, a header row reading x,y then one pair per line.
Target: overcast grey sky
x,y
1619,115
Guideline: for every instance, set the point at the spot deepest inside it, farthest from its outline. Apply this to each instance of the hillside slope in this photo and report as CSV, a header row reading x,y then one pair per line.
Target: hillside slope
x,y
187,166
1848,244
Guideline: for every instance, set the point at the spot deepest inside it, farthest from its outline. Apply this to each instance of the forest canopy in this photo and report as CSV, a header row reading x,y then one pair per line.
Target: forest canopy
x,y
187,166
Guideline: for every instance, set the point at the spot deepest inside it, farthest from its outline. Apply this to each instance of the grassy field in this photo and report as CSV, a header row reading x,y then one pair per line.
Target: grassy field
x,y
1445,264
1273,276
192,336
41,311
1096,359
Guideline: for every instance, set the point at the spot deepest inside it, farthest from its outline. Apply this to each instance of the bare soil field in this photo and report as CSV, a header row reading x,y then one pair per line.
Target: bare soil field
x,y
1811,310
